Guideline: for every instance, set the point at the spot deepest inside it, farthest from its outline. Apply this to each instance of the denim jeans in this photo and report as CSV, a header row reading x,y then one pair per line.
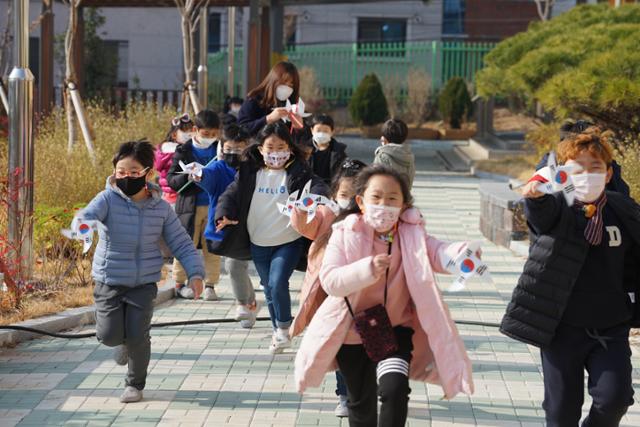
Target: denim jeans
x,y
275,265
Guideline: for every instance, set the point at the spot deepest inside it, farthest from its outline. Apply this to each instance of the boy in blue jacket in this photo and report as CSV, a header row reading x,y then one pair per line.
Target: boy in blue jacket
x,y
132,218
578,294
215,179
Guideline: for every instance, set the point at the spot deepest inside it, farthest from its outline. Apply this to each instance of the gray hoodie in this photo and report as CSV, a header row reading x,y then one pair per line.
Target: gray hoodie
x,y
399,157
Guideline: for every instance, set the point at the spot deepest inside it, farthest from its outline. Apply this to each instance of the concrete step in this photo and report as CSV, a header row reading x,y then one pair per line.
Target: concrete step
x,y
453,160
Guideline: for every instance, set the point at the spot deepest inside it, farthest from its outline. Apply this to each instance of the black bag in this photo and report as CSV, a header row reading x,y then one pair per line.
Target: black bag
x,y
234,243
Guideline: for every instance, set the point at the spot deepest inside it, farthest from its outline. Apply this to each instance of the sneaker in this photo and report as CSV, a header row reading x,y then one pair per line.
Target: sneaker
x,y
280,341
130,395
121,355
209,294
185,292
342,411
247,315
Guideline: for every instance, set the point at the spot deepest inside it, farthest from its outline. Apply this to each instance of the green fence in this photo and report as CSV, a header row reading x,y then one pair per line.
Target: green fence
x,y
340,67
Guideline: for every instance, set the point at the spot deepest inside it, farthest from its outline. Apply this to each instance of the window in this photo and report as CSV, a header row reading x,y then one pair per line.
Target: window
x,y
215,28
119,50
453,17
375,30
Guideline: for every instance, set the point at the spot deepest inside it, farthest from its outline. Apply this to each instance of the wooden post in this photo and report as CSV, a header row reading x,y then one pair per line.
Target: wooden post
x,y
252,46
265,46
45,85
78,57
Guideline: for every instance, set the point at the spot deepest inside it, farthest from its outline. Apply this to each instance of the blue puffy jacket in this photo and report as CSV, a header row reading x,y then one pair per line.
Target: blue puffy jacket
x,y
128,253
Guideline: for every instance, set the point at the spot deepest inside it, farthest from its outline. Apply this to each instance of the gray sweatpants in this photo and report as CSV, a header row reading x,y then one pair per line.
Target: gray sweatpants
x,y
240,281
123,316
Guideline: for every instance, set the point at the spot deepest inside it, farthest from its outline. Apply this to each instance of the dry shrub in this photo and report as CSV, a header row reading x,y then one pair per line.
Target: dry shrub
x,y
418,95
64,179
628,155
310,90
392,88
544,138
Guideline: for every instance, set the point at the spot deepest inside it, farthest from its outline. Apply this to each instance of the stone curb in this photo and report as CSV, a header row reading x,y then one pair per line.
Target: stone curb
x,y
68,319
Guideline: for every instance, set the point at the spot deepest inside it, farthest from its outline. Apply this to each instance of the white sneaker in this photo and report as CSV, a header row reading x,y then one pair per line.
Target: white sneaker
x,y
342,411
280,341
121,355
209,294
186,292
130,395
247,316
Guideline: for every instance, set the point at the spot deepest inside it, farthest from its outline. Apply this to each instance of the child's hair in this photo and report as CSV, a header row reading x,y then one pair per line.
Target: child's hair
x,y
235,133
395,131
207,119
350,168
362,181
228,101
323,119
141,151
591,141
280,130
183,123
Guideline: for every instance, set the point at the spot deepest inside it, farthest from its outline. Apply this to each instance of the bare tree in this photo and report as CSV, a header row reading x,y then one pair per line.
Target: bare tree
x,y
190,18
544,8
73,102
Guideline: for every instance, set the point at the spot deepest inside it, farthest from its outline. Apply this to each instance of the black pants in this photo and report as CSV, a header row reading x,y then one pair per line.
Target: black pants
x,y
392,388
606,356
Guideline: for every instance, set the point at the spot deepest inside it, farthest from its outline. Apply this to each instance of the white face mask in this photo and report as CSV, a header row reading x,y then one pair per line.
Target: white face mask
x,y
183,137
343,203
283,92
276,159
321,139
589,186
381,217
201,142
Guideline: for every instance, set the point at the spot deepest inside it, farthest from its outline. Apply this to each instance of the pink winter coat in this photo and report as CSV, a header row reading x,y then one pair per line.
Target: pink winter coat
x,y
162,163
311,295
439,355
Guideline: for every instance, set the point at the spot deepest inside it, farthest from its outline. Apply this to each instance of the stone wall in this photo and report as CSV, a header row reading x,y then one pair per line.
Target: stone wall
x,y
501,217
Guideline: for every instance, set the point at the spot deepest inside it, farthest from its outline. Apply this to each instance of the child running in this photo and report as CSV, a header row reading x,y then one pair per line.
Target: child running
x,y
272,171
573,298
179,133
132,218
379,267
394,151
312,295
192,204
215,179
328,154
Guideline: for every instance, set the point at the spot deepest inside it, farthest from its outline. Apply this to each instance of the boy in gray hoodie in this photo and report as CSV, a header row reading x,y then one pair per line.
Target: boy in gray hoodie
x,y
394,152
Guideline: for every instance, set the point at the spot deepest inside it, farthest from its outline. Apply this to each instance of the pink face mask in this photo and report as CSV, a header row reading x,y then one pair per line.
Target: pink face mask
x,y
381,217
276,159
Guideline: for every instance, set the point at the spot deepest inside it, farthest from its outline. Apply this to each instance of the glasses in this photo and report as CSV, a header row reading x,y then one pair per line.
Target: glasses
x,y
132,174
181,119
225,151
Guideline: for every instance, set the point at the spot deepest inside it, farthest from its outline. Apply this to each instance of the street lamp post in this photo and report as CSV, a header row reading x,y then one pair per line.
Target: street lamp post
x,y
21,150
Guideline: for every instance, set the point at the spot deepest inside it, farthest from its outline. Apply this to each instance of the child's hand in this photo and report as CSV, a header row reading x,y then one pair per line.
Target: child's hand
x,y
196,286
277,114
195,178
222,223
380,264
530,190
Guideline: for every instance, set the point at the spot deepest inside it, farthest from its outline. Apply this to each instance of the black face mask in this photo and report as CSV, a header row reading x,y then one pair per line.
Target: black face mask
x,y
131,186
233,160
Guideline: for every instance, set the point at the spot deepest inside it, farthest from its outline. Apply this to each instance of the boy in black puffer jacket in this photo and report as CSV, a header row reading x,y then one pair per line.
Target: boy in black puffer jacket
x,y
577,296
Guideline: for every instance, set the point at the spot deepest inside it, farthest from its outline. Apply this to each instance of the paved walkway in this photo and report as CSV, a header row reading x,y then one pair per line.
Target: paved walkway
x,y
224,376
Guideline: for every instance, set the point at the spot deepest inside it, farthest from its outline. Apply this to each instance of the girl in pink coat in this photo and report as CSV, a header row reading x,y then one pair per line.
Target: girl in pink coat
x,y
312,295
380,247
180,132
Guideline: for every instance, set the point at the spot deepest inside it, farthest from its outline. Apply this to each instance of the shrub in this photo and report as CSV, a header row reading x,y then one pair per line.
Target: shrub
x,y
368,105
628,155
455,102
544,138
418,94
582,63
392,88
310,90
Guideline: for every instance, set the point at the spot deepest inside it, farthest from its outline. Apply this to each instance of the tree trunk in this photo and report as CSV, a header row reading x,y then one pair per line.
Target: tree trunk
x,y
70,73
